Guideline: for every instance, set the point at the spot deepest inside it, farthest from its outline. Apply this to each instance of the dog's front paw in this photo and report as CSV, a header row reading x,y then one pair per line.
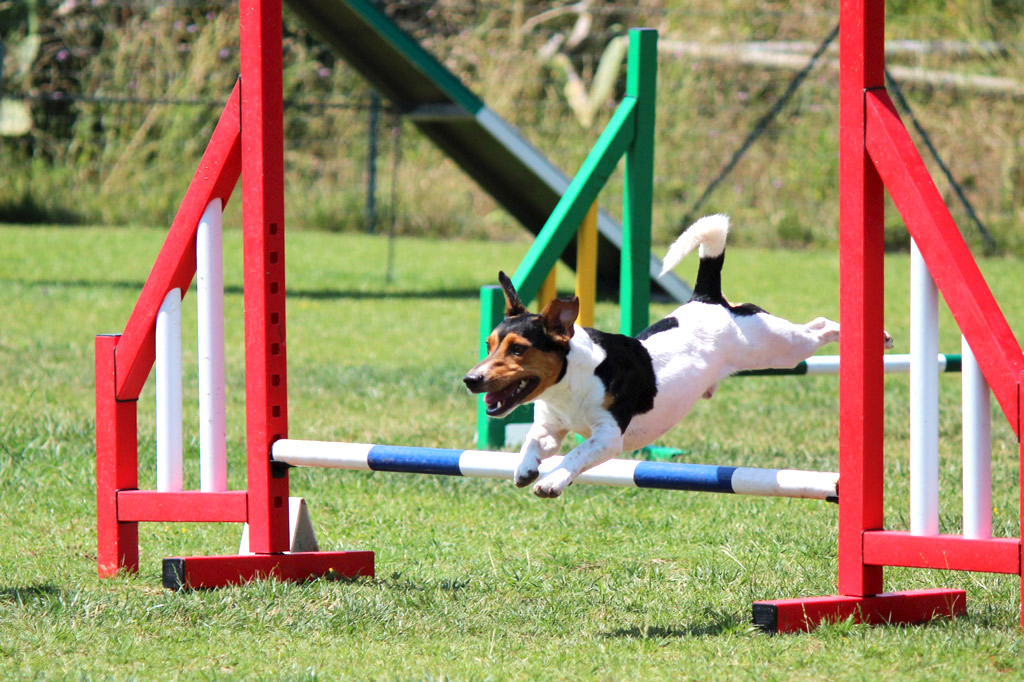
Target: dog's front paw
x,y
524,476
889,343
527,471
553,484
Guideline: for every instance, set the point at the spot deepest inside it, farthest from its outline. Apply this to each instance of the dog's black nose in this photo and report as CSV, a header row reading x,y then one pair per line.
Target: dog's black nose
x,y
473,382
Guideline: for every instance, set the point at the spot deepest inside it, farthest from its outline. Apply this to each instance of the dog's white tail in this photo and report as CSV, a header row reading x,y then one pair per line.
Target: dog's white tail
x,y
708,233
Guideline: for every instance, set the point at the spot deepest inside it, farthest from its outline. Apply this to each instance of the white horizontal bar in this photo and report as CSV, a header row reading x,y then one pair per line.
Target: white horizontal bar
x,y
893,363
313,453
816,485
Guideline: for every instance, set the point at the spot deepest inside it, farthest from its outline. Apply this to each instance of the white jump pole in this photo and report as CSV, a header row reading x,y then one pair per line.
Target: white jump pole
x,y
169,477
895,363
631,473
977,448
924,398
210,304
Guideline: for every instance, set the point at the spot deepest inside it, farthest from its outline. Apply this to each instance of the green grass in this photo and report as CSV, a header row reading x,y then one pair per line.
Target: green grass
x,y
475,579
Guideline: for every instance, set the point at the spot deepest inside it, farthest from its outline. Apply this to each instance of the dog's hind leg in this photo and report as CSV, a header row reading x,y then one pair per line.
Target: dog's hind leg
x,y
781,344
824,329
542,441
767,341
830,332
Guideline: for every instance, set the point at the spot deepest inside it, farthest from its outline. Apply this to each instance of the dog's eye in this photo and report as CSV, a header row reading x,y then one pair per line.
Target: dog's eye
x,y
517,349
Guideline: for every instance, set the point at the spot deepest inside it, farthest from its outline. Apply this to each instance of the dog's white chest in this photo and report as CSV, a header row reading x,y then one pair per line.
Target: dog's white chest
x,y
578,399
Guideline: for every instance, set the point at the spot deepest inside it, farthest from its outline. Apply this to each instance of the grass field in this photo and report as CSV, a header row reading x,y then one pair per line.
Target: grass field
x,y
475,579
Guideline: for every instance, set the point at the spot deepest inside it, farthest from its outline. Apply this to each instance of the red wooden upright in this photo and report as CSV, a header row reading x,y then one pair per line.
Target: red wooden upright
x,y
877,153
248,141
862,283
266,400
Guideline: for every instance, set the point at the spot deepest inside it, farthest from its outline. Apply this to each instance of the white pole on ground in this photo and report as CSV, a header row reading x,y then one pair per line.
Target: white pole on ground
x,y
977,446
210,303
169,476
924,398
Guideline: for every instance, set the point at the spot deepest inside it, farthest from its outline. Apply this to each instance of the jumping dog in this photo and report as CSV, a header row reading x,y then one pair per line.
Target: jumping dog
x,y
619,392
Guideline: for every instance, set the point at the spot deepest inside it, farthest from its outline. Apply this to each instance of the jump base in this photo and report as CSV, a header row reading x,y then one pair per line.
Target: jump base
x,y
203,572
803,615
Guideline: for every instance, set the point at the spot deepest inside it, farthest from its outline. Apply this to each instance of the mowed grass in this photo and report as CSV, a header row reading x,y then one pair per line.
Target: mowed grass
x,y
475,579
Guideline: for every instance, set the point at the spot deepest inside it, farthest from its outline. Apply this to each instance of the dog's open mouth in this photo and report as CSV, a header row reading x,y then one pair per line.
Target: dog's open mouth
x,y
501,401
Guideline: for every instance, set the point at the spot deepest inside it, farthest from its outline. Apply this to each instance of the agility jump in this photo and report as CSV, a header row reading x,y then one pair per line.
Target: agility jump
x,y
876,149
621,473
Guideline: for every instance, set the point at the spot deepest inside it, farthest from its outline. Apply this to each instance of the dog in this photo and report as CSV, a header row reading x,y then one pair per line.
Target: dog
x,y
619,392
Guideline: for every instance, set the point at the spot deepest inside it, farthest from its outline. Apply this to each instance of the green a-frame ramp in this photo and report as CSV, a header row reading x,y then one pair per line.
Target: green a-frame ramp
x,y
492,152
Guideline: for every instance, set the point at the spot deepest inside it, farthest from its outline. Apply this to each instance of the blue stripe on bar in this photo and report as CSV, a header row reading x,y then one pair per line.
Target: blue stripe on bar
x,y
412,460
706,478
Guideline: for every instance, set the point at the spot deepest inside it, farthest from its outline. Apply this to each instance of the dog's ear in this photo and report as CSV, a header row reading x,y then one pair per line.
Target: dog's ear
x,y
513,306
559,316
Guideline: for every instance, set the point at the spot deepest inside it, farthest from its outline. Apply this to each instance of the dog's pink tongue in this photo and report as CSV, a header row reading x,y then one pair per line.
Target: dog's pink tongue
x,y
499,396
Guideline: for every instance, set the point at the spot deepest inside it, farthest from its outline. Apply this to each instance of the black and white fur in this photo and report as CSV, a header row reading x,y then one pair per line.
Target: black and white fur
x,y
622,393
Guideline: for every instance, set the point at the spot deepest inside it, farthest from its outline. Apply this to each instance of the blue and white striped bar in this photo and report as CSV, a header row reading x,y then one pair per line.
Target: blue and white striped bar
x,y
624,473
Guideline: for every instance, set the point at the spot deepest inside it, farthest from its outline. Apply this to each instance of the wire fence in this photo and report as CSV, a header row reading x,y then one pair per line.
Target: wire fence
x,y
105,120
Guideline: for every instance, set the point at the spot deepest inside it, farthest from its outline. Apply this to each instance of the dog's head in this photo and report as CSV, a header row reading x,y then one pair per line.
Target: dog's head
x,y
526,353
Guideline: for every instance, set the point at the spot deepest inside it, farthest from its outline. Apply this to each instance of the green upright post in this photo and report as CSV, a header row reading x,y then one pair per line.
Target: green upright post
x,y
579,196
489,432
641,83
629,133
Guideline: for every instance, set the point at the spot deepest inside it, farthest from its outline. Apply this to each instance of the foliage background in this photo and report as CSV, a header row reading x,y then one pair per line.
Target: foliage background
x,y
122,96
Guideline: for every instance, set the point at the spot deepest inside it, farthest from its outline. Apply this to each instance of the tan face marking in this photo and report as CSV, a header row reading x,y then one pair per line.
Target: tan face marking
x,y
515,371
512,359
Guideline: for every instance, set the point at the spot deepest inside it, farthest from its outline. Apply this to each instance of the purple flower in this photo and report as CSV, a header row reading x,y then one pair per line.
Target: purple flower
x,y
323,72
63,55
224,54
742,95
192,28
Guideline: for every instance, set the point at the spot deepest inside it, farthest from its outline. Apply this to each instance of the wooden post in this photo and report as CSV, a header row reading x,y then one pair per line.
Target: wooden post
x,y
861,248
117,468
586,267
548,290
266,395
641,83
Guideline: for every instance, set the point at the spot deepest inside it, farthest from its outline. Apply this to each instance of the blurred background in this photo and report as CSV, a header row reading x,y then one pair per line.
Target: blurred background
x,y
107,106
